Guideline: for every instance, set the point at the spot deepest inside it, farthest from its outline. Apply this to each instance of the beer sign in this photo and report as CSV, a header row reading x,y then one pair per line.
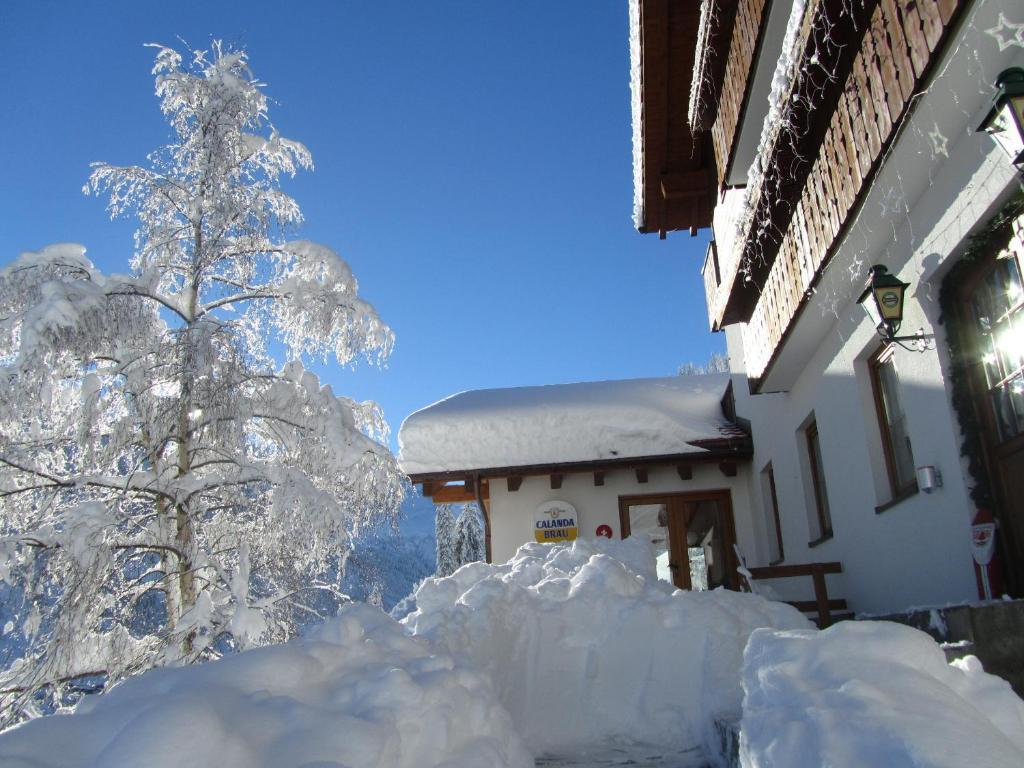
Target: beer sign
x,y
555,522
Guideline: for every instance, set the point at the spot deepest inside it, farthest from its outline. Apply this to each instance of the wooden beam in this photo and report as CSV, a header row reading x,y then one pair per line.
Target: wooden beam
x,y
514,482
599,478
641,474
454,494
686,184
728,468
685,472
556,481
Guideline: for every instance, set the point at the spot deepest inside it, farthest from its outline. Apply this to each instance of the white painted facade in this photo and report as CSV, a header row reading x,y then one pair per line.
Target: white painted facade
x,y
512,512
941,181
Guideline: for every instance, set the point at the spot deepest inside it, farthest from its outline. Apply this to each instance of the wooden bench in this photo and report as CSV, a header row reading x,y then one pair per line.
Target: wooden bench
x,y
827,610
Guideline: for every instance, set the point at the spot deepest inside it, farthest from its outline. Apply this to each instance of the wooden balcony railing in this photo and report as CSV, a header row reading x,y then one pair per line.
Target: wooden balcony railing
x,y
811,210
746,28
822,605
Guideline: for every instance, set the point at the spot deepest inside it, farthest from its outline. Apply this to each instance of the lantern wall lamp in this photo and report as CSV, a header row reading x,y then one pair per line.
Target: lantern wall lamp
x,y
1005,120
882,299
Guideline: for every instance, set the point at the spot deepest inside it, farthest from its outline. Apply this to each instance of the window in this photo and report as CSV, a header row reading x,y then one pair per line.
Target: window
x,y
998,309
892,422
772,523
822,515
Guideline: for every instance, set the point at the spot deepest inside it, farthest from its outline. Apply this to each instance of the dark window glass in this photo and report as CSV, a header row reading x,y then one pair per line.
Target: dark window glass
x,y
899,456
824,516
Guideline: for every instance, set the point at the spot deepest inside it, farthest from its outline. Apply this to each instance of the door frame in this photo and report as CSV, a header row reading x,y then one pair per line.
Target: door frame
x,y
675,502
993,452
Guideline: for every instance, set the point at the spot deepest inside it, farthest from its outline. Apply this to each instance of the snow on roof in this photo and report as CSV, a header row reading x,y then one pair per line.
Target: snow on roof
x,y
565,423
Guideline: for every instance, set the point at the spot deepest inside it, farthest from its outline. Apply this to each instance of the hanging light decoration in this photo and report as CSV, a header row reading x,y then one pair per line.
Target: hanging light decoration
x,y
1005,120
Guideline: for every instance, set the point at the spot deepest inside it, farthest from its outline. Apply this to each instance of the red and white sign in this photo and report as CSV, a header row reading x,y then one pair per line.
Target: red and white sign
x,y
604,531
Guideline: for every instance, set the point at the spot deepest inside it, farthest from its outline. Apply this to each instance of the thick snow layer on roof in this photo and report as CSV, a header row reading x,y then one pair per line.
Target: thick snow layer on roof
x,y
564,423
360,693
585,646
873,693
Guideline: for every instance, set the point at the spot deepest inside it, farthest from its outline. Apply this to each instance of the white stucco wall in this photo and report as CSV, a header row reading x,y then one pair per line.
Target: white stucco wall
x,y
925,202
512,513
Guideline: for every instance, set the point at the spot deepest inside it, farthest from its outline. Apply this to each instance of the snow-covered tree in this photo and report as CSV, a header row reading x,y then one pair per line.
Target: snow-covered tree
x,y
173,480
717,363
469,536
444,526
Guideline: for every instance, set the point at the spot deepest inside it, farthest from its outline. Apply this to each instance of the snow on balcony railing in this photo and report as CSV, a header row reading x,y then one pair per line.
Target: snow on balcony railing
x,y
891,63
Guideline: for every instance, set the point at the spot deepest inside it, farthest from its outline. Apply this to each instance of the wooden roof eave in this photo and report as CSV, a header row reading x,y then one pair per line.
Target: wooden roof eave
x,y
670,151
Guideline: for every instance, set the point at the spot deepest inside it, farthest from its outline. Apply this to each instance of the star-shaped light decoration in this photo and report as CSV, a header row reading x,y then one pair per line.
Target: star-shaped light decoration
x,y
1007,33
889,203
940,144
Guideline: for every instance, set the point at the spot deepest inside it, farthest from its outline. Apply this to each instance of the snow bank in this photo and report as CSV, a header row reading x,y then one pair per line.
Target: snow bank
x,y
359,692
584,644
589,421
873,693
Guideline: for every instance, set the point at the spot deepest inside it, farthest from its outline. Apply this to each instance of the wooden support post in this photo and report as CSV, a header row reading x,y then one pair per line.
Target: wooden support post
x,y
685,472
513,483
599,478
556,482
821,598
482,503
641,475
428,488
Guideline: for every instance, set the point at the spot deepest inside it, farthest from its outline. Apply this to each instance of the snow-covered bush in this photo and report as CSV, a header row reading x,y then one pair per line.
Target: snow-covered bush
x,y
358,693
169,488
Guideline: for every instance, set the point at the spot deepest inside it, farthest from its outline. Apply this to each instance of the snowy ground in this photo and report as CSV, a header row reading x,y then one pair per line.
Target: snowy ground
x,y
575,655
631,756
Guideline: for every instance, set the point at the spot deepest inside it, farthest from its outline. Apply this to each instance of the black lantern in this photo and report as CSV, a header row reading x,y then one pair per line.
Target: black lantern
x,y
883,301
1005,121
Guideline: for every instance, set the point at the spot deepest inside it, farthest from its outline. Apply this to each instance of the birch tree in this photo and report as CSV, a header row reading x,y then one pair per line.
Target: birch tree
x,y
173,480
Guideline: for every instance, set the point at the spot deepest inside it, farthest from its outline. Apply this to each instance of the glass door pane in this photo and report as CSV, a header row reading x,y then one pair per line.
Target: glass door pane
x,y
651,521
706,545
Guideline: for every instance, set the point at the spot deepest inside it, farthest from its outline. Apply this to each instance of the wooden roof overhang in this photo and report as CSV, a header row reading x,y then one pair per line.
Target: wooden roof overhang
x,y
724,451
831,37
679,178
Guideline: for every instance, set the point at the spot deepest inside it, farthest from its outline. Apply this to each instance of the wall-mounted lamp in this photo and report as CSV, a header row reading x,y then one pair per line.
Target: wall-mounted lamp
x,y
1005,120
928,478
883,301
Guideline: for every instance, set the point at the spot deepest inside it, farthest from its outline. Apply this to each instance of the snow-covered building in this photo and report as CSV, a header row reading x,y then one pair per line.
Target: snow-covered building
x,y
816,139
664,457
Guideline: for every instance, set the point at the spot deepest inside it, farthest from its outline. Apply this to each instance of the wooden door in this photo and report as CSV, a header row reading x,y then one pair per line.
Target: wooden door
x,y
992,318
692,535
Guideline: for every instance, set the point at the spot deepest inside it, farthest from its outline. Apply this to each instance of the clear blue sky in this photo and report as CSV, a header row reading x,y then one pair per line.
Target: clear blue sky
x,y
473,165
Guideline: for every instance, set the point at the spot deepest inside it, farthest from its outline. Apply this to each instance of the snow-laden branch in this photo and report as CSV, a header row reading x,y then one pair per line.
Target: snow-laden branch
x,y
170,487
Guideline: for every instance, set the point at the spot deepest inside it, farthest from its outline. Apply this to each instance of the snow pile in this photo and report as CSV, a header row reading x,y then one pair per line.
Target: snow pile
x,y
359,692
873,693
589,421
585,646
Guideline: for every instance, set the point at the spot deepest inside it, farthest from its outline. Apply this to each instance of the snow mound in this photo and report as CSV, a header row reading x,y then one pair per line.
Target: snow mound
x,y
565,423
585,646
873,693
359,692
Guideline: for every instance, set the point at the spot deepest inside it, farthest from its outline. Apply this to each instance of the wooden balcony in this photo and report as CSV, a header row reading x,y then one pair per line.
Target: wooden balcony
x,y
731,94
801,207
